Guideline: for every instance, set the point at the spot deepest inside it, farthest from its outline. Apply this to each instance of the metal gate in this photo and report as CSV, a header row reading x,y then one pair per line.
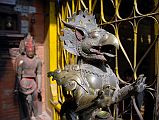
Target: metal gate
x,y
136,24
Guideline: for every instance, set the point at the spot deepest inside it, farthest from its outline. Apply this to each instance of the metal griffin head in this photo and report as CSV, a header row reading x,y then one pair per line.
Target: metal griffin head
x,y
83,37
29,46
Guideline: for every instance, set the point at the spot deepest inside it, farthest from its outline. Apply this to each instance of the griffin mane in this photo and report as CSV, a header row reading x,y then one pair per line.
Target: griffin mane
x,y
84,20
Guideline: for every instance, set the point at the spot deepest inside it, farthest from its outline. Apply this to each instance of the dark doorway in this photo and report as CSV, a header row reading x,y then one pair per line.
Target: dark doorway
x,y
8,104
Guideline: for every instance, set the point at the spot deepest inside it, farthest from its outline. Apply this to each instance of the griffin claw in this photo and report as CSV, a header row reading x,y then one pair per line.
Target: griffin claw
x,y
49,74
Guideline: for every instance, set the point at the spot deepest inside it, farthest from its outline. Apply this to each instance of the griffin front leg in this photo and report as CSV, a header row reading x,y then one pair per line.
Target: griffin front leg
x,y
137,87
123,93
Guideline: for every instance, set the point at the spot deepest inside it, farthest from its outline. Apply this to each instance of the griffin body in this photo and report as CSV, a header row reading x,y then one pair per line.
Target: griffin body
x,y
93,84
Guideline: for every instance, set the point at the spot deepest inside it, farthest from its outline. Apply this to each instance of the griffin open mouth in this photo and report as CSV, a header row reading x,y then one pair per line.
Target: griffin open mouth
x,y
108,50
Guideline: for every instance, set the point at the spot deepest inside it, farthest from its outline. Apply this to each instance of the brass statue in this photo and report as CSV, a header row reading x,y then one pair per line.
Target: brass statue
x,y
92,82
28,83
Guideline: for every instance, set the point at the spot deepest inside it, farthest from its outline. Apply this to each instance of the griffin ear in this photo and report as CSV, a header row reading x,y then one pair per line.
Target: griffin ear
x,y
79,34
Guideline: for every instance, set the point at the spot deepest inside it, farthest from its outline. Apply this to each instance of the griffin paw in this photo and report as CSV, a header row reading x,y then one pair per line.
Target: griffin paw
x,y
49,74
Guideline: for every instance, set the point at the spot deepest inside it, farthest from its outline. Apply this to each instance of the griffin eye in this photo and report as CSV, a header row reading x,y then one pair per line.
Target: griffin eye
x,y
95,34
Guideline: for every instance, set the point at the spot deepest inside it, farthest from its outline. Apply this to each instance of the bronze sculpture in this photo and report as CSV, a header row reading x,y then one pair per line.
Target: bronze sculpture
x,y
28,83
92,82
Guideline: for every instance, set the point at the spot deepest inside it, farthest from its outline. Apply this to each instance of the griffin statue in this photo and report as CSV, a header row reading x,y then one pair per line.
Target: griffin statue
x,y
93,84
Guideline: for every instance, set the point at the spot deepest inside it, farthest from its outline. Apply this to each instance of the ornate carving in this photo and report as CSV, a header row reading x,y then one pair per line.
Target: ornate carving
x,y
28,83
93,84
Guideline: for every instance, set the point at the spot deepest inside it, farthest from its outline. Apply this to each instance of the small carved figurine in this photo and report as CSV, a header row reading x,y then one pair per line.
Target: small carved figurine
x,y
28,83
92,82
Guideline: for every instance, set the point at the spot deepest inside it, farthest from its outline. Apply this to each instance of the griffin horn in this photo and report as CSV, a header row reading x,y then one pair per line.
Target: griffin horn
x,y
68,25
80,29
